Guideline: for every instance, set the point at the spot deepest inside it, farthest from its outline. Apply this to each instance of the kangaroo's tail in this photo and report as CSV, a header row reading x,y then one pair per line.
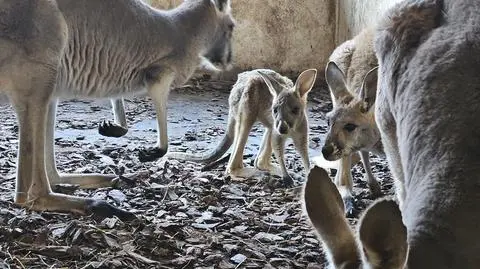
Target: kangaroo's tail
x,y
213,155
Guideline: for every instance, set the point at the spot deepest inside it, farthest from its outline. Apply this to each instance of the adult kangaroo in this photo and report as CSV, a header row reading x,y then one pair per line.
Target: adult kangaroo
x,y
427,109
95,49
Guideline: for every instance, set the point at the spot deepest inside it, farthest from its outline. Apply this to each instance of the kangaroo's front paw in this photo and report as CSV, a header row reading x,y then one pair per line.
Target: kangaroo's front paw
x,y
151,154
111,129
375,190
350,209
103,209
288,181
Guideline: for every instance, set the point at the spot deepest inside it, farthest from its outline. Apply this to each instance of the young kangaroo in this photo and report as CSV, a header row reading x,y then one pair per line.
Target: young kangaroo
x,y
352,126
427,110
265,96
95,49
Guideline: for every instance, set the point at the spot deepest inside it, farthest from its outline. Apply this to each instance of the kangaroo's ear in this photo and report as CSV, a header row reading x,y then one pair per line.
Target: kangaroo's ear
x,y
222,5
383,235
368,92
272,84
324,207
336,82
305,82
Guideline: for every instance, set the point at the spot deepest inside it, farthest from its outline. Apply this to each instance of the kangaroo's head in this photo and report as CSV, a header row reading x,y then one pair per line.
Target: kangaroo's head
x,y
351,123
289,103
220,49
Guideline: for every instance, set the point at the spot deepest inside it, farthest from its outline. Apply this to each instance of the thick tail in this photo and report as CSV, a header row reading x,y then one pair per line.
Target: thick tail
x,y
213,155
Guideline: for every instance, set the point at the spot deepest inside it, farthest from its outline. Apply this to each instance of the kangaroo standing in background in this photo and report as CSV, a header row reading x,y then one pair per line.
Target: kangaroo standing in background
x,y
427,110
264,95
95,49
352,79
119,126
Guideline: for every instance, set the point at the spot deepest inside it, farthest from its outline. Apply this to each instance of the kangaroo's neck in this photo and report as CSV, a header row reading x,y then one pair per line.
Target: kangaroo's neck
x,y
195,20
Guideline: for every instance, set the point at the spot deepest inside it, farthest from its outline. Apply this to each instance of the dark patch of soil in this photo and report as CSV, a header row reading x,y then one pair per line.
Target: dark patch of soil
x,y
187,218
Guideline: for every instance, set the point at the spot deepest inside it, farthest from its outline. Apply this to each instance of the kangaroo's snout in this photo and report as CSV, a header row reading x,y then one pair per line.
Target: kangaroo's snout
x,y
327,150
283,128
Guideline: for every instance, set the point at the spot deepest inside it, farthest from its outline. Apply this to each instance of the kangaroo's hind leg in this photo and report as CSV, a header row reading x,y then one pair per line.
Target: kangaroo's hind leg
x,y
85,181
244,124
30,97
119,127
159,91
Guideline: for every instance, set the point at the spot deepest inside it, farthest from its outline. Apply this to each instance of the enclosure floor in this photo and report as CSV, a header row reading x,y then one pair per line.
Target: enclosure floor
x,y
187,218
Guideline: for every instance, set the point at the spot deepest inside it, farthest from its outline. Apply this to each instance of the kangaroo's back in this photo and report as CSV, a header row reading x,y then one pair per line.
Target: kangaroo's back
x,y
429,96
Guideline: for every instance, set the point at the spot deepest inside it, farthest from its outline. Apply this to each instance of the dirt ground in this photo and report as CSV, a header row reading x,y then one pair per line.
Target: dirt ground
x,y
188,218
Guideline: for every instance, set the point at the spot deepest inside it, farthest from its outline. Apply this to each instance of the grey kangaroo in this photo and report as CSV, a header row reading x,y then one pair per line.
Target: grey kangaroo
x,y
427,110
95,49
119,126
351,76
264,95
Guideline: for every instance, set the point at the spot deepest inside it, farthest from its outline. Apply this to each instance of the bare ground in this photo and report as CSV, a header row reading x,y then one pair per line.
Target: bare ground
x,y
187,218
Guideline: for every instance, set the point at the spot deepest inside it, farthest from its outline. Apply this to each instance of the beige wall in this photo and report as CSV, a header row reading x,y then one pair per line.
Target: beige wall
x,y
292,35
354,15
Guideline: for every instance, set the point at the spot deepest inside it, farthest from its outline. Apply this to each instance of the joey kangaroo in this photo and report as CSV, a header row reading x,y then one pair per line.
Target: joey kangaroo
x,y
95,49
352,126
264,95
427,111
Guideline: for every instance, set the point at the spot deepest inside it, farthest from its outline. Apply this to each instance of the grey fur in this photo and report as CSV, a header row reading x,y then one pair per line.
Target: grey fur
x,y
93,49
427,110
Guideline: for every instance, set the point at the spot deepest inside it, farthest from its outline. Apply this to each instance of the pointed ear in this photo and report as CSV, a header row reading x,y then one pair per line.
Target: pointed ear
x,y
383,235
336,82
222,5
274,90
325,209
305,82
368,92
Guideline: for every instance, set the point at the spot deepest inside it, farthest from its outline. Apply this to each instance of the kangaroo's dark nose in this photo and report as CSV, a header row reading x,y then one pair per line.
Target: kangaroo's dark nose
x,y
283,129
327,150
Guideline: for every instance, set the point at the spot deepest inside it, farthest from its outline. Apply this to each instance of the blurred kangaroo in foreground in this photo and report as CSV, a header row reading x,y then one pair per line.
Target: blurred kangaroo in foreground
x,y
351,76
95,49
264,95
427,110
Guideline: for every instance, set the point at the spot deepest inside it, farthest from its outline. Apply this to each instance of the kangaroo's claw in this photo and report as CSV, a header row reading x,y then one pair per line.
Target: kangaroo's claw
x,y
111,129
151,154
288,181
103,209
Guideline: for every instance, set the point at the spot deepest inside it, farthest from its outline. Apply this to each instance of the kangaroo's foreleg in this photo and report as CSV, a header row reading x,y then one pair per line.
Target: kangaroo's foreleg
x,y
85,181
278,144
30,100
159,93
344,182
300,140
263,160
371,181
119,127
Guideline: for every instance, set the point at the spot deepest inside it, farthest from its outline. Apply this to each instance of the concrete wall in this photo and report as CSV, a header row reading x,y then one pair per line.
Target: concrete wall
x,y
354,15
285,35
293,35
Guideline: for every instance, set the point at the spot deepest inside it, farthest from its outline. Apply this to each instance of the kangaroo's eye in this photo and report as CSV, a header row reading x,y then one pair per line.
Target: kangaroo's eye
x,y
295,110
275,110
350,127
